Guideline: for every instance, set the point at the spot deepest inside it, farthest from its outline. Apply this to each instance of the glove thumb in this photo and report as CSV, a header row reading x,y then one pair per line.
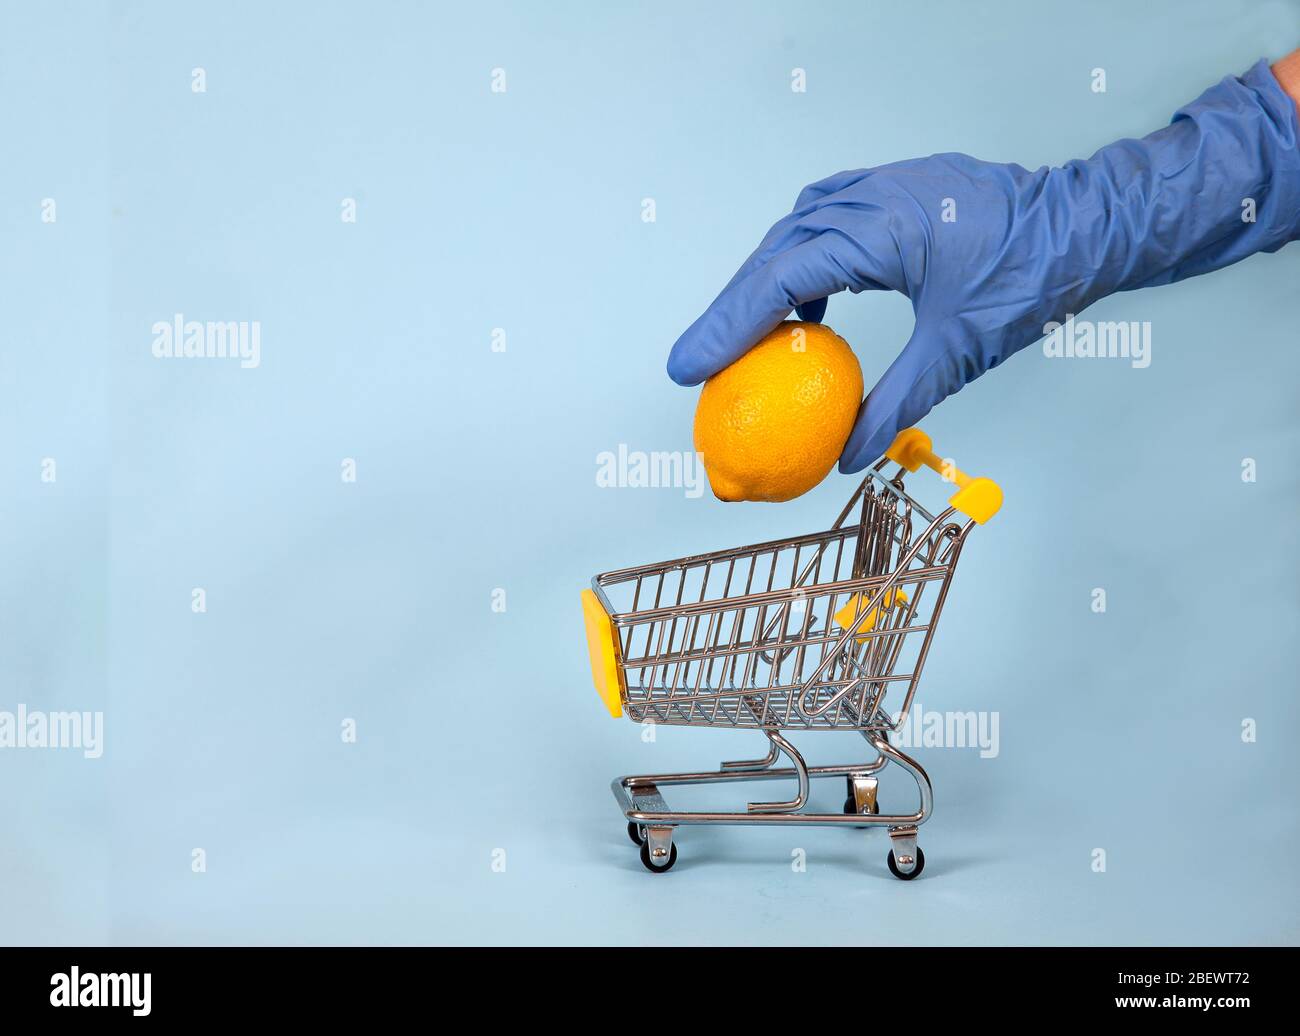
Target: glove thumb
x,y
925,373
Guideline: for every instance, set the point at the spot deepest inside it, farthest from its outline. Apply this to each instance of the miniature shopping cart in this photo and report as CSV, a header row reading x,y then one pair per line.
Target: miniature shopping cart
x,y
827,631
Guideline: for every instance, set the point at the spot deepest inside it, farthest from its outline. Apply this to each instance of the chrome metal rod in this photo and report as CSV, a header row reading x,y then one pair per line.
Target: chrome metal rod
x,y
801,771
810,712
756,764
630,783
923,785
642,803
773,819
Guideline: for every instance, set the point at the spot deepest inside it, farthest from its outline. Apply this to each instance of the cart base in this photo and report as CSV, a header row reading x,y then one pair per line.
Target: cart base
x,y
651,822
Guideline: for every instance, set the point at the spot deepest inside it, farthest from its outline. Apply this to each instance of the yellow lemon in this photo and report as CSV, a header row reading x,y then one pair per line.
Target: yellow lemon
x,y
772,424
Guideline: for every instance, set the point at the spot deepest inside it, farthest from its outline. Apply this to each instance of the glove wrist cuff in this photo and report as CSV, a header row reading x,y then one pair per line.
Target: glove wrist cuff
x,y
1219,183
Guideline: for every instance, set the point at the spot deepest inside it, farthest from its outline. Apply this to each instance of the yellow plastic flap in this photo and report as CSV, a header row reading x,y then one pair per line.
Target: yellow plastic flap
x,y
847,615
602,645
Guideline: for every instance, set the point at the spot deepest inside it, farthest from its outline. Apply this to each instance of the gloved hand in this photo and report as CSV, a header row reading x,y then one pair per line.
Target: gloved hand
x,y
1022,248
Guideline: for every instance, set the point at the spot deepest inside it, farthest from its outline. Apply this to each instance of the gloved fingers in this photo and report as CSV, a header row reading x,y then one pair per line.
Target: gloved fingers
x,y
866,245
924,374
749,308
812,311
832,248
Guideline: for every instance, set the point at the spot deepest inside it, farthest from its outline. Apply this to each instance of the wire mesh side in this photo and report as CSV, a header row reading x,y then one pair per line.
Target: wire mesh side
x,y
750,638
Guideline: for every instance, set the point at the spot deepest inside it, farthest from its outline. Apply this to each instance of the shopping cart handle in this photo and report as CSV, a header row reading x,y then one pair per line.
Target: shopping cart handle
x,y
977,498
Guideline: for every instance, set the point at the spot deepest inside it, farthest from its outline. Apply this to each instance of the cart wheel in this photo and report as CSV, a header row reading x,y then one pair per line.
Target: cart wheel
x,y
635,832
916,871
658,868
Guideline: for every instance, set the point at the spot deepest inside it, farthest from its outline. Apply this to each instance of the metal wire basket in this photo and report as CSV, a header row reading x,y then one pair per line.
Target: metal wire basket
x,y
826,631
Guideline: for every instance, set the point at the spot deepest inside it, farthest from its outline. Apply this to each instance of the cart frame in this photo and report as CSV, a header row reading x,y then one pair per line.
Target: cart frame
x,y
818,678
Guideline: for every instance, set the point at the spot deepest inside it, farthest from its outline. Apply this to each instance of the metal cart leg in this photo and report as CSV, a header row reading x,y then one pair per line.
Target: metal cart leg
x,y
906,860
923,785
801,773
756,764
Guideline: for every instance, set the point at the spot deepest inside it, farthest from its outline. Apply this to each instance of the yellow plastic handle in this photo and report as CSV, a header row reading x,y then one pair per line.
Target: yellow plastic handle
x,y
977,498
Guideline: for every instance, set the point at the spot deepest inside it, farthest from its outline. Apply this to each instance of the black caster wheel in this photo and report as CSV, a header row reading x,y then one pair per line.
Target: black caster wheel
x,y
916,871
635,832
658,868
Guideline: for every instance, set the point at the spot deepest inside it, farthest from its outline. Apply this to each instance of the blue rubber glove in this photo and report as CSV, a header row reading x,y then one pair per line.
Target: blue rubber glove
x,y
1025,248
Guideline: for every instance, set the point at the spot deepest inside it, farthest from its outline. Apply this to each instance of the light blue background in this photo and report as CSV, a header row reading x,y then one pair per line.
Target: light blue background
x,y
522,211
